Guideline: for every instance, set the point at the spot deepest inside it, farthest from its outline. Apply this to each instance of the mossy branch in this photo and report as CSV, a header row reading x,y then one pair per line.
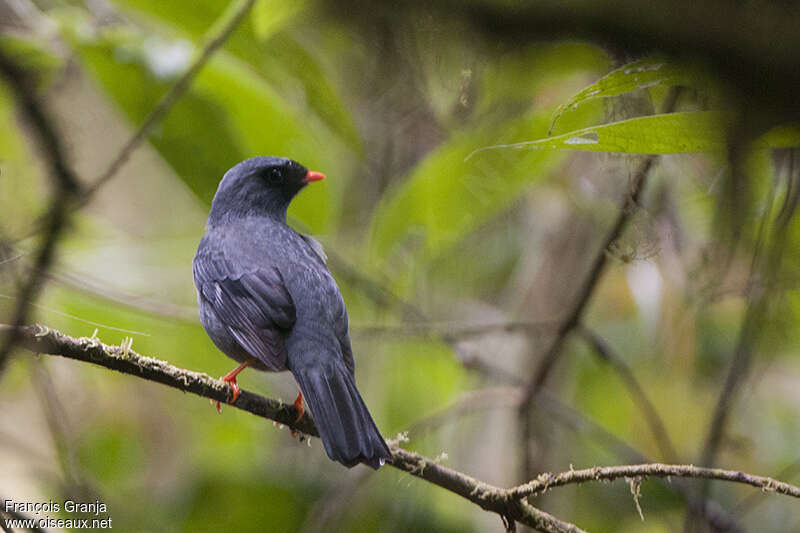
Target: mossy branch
x,y
509,503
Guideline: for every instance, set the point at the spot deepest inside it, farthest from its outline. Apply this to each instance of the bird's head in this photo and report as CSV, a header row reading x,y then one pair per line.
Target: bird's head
x,y
260,186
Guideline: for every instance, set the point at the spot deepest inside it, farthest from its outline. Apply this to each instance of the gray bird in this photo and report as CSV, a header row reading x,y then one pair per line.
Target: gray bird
x,y
267,300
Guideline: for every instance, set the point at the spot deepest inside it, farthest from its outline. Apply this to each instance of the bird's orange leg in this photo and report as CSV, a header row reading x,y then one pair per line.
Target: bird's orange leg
x,y
230,378
298,404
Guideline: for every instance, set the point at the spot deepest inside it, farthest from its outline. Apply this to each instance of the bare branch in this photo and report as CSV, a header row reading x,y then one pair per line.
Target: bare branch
x,y
40,339
510,397
486,496
510,503
548,481
751,500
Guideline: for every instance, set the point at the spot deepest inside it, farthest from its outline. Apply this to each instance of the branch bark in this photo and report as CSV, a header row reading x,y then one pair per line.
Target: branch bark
x,y
41,339
510,503
548,481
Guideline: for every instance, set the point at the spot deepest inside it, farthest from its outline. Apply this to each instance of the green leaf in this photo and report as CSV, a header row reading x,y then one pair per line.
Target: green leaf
x,y
446,196
641,74
523,76
784,136
228,114
280,60
670,133
268,127
270,16
33,55
295,83
196,138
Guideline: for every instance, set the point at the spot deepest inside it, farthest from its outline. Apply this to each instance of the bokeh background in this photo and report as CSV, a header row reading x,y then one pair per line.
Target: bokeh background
x,y
456,272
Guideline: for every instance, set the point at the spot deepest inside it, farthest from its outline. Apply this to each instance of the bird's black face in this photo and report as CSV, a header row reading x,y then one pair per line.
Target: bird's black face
x,y
285,175
260,185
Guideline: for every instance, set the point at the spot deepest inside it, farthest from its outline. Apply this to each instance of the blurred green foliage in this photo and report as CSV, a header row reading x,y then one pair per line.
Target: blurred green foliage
x,y
399,119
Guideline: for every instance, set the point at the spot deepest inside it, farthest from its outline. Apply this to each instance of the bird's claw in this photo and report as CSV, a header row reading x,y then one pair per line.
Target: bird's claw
x,y
236,391
230,378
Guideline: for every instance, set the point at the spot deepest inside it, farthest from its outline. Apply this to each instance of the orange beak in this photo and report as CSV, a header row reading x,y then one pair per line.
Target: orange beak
x,y
313,175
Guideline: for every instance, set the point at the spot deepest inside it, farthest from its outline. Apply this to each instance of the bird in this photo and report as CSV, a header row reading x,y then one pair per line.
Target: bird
x,y
268,301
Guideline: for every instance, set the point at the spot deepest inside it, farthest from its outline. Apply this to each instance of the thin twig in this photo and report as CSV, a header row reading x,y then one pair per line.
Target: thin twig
x,y
575,315
68,186
593,277
374,290
548,481
510,397
758,298
747,503
452,330
146,304
761,268
66,183
636,391
326,512
215,38
58,425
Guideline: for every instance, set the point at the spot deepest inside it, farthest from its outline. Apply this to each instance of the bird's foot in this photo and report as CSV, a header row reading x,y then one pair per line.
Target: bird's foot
x,y
235,394
230,378
298,404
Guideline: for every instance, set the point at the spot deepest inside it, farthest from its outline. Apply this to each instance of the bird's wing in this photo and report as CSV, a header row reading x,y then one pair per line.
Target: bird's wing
x,y
347,352
341,320
316,246
254,305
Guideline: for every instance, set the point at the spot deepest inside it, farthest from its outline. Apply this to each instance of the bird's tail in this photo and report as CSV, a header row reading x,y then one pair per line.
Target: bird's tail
x,y
344,423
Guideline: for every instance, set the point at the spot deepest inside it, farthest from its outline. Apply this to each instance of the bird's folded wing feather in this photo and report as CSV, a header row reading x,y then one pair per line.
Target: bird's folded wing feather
x,y
316,246
341,320
254,305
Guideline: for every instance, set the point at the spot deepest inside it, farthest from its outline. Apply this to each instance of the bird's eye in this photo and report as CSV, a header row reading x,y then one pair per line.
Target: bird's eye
x,y
274,176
